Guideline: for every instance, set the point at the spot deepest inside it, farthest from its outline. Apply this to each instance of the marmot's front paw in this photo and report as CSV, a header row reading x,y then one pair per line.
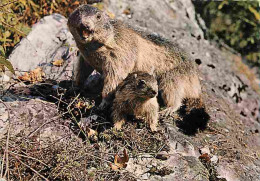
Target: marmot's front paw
x,y
118,125
168,112
153,128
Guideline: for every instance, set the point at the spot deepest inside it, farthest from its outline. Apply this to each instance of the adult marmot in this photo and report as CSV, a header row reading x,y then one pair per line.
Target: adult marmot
x,y
115,50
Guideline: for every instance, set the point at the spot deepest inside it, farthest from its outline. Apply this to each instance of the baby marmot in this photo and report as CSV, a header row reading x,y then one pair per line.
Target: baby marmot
x,y
136,96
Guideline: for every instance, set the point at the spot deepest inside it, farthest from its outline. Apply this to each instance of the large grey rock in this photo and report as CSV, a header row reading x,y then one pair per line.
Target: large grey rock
x,y
160,16
49,40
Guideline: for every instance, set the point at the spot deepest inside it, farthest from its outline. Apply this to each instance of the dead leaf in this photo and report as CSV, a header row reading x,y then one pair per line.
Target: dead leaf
x,y
205,157
25,77
113,167
83,105
76,3
33,76
58,62
120,162
6,63
80,105
127,11
2,68
91,132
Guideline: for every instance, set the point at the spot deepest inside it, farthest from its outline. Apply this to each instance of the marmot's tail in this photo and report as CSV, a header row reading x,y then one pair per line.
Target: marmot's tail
x,y
191,105
193,116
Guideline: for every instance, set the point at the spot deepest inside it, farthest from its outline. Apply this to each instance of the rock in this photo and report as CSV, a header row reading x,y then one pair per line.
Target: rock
x,y
3,118
94,82
162,155
4,78
205,150
184,168
141,165
214,159
152,14
49,40
26,117
180,143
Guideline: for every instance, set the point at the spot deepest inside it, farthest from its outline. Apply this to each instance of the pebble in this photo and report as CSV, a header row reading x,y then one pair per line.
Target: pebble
x,y
162,155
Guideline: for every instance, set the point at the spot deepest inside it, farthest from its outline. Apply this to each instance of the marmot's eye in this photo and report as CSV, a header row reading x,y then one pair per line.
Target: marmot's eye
x,y
98,16
141,83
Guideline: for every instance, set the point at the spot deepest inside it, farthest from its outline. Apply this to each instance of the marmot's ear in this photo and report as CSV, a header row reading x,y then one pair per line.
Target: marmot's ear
x,y
151,71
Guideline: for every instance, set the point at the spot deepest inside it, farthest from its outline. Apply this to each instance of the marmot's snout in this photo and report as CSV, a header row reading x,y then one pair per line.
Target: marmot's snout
x,y
151,93
86,31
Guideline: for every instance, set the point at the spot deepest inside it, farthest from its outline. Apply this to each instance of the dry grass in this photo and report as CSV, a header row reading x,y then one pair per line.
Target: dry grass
x,y
76,157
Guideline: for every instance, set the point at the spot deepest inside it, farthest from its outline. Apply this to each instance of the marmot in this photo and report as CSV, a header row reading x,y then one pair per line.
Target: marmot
x,y
136,96
115,50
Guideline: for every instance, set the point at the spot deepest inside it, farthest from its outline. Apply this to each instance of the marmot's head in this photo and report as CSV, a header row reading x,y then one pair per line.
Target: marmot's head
x,y
88,24
140,85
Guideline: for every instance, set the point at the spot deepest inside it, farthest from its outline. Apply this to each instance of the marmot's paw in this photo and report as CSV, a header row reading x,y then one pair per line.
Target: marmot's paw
x,y
168,112
118,125
153,128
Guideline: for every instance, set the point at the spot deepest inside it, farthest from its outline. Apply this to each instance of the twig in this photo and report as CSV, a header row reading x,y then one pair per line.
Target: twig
x,y
25,156
70,111
5,156
58,99
73,101
6,152
31,169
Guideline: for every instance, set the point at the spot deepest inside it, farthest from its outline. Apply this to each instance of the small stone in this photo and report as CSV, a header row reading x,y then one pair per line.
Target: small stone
x,y
4,78
162,155
205,150
214,159
145,176
3,113
226,130
55,87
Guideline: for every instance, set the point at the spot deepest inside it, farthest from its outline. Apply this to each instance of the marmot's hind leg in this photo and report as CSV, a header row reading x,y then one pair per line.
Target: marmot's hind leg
x,y
172,98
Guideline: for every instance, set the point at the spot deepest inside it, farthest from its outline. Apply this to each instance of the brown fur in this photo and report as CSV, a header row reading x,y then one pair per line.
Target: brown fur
x,y
136,96
182,82
115,50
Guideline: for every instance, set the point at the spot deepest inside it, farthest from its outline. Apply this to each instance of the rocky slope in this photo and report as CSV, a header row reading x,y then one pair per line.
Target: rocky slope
x,y
228,149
